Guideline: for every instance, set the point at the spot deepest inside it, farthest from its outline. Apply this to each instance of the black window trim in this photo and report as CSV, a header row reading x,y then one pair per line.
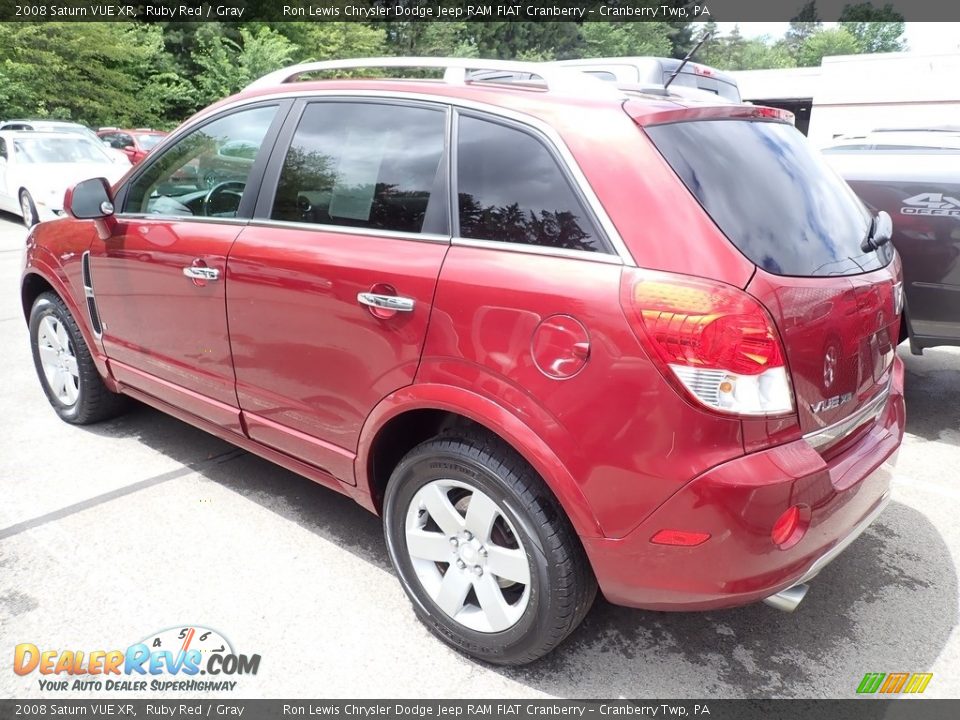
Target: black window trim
x,y
254,180
264,205
607,250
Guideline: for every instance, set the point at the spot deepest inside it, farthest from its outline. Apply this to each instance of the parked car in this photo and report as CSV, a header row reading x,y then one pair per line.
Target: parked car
x,y
557,337
62,126
915,177
694,81
135,144
36,168
656,71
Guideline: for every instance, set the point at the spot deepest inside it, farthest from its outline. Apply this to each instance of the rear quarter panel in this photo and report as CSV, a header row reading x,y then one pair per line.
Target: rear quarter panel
x,y
626,438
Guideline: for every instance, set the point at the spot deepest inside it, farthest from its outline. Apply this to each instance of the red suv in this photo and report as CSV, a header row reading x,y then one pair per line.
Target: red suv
x,y
556,333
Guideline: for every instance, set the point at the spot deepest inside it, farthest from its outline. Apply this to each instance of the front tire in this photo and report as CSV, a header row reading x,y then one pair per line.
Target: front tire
x,y
483,550
27,209
66,370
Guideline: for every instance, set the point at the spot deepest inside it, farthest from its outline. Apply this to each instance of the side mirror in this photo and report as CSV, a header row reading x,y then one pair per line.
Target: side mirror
x,y
883,230
89,200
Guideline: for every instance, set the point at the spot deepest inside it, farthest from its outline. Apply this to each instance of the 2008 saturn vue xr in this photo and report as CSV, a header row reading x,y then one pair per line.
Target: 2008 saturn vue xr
x,y
559,334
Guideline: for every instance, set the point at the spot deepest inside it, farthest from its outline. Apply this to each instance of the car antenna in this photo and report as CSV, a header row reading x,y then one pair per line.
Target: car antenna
x,y
706,36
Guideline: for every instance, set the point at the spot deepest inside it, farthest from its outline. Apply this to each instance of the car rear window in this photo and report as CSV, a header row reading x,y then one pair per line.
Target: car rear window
x,y
772,195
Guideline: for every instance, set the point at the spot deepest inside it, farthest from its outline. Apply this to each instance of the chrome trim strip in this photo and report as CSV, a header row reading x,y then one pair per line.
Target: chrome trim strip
x,y
348,230
832,433
183,218
600,257
546,131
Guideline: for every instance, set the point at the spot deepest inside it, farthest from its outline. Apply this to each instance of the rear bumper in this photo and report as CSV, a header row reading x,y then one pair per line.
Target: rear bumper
x,y
737,503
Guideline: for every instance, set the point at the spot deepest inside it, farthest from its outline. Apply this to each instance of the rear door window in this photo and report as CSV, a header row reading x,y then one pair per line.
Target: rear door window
x,y
363,165
772,195
511,189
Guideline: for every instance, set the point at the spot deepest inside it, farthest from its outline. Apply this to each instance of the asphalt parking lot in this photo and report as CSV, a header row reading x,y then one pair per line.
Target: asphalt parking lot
x,y
112,532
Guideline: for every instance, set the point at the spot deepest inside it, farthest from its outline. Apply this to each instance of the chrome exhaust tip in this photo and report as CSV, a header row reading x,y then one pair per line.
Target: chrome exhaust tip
x,y
787,600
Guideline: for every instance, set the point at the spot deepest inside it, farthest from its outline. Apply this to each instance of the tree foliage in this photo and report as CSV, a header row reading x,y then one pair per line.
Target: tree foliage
x,y
876,29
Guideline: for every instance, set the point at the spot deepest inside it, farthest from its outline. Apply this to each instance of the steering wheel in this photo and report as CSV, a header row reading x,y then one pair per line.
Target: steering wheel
x,y
219,189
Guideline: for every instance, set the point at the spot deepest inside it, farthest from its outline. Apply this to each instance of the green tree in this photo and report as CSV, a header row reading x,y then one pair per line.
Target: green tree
x,y
332,40
835,41
761,54
509,40
227,66
604,39
877,30
95,73
804,24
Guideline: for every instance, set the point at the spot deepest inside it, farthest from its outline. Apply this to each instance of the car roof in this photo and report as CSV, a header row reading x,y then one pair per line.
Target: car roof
x,y
60,123
41,135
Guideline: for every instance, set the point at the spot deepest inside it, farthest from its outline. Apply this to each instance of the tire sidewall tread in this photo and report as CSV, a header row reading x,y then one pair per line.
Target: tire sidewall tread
x,y
564,588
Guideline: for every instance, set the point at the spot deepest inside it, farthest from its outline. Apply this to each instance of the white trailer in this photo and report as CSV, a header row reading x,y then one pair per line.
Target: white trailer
x,y
854,94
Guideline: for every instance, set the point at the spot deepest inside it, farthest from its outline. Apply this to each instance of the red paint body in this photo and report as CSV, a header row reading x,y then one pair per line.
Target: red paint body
x,y
278,357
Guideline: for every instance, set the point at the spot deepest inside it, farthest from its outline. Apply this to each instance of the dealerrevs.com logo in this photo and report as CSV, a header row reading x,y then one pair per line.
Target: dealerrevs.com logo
x,y
936,204
173,660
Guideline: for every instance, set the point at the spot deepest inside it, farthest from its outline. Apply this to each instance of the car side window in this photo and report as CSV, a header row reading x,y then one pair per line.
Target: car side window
x,y
3,148
193,178
511,189
122,140
363,165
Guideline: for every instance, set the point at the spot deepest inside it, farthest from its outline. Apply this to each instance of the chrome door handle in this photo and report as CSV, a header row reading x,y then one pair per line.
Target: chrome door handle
x,y
201,273
386,302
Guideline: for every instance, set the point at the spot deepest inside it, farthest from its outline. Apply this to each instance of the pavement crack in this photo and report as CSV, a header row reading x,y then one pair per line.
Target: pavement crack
x,y
119,492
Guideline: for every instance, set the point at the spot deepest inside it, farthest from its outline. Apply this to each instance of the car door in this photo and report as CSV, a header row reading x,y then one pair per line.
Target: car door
x,y
330,287
158,280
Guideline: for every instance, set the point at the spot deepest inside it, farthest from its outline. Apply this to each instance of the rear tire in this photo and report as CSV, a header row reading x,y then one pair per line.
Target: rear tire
x,y
66,370
461,513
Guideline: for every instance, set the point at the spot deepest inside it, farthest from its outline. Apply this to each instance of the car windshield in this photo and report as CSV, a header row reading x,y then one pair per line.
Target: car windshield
x,y
38,150
147,142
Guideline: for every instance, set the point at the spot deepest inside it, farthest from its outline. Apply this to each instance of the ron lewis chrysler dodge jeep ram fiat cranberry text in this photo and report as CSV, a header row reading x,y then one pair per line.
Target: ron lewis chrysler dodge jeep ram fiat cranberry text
x,y
559,334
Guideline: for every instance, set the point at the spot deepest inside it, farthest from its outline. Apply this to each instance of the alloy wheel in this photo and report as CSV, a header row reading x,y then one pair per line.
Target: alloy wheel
x,y
58,360
467,556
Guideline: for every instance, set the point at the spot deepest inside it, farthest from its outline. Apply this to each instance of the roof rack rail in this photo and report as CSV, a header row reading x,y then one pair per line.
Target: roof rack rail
x,y
561,80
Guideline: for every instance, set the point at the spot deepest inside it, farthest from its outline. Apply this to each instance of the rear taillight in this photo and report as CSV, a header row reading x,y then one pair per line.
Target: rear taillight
x,y
717,341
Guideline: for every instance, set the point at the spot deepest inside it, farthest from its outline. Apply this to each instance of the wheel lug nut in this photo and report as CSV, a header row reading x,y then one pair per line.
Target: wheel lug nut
x,y
461,564
454,541
477,570
483,552
467,535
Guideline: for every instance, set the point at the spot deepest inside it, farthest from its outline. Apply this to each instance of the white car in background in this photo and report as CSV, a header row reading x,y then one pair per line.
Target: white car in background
x,y
63,126
36,168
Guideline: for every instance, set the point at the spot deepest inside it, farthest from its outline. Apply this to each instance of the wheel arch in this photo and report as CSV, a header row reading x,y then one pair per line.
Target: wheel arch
x,y
418,412
37,280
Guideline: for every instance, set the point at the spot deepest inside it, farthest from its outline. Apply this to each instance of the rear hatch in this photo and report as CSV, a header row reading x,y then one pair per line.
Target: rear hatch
x,y
835,304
